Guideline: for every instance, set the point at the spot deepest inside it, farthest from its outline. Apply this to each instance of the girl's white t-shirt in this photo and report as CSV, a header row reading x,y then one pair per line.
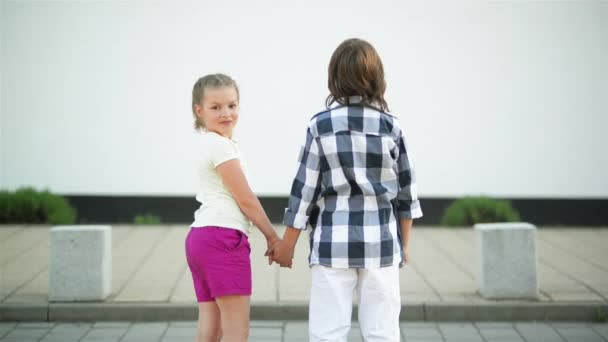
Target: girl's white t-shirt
x,y
218,207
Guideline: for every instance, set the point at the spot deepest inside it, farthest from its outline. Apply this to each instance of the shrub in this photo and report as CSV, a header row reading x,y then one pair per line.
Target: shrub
x,y
26,205
146,219
468,211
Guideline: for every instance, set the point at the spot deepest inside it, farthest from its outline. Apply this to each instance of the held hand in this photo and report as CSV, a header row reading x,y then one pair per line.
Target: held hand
x,y
270,245
283,254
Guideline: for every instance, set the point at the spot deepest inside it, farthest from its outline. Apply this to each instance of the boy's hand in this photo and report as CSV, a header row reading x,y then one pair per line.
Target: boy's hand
x,y
406,255
283,254
270,245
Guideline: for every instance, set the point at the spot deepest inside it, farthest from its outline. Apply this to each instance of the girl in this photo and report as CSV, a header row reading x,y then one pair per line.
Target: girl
x,y
356,171
217,248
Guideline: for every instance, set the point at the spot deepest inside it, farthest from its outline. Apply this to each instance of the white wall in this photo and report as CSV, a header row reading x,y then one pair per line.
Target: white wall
x,y
501,98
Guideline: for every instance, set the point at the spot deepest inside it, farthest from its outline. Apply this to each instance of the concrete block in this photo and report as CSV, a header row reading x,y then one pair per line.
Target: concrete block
x,y
80,263
506,260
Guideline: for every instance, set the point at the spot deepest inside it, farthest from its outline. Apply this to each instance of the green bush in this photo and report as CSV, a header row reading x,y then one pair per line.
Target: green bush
x,y
26,205
468,211
146,219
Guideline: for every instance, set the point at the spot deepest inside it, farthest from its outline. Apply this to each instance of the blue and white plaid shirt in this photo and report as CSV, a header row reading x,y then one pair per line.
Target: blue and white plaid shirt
x,y
355,177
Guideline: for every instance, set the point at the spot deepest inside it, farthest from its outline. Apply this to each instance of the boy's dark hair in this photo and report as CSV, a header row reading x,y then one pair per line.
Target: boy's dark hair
x,y
355,69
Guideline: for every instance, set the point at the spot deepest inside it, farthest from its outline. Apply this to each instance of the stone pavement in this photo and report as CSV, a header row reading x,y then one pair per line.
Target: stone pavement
x,y
296,331
150,272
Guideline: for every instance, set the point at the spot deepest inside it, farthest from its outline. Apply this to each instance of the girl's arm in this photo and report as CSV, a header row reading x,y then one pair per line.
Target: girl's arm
x,y
233,177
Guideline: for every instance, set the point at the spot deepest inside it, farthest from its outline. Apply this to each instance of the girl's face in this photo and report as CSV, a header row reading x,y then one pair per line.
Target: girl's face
x,y
219,110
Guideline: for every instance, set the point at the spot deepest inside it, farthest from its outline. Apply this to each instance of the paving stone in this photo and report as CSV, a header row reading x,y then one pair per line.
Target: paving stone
x,y
102,325
6,327
534,332
500,333
266,332
63,336
580,334
460,332
421,333
105,333
42,325
27,333
601,329
492,325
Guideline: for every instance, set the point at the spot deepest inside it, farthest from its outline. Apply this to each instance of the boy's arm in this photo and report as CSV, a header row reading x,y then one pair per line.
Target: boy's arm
x,y
408,205
406,229
305,192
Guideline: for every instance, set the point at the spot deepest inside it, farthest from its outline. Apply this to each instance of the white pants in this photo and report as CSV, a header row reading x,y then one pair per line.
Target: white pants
x,y
331,300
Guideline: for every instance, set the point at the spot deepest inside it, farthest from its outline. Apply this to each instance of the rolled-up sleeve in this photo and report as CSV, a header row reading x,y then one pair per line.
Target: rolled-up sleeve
x,y
407,203
306,186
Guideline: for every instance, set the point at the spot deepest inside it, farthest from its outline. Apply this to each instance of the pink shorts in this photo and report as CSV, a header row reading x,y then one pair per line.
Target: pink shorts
x,y
219,261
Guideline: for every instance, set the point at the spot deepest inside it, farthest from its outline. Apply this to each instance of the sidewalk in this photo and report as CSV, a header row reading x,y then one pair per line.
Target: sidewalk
x,y
151,280
297,331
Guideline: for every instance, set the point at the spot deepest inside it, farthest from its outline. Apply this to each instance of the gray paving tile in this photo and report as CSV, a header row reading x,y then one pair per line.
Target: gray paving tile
x,y
40,325
492,325
6,327
427,325
19,339
184,324
266,324
416,333
63,337
72,327
534,332
500,333
105,333
296,331
459,331
27,333
264,339
601,329
145,332
179,332
266,332
177,339
580,334
122,325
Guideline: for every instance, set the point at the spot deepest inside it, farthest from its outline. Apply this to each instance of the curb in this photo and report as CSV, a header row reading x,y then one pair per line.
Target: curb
x,y
84,312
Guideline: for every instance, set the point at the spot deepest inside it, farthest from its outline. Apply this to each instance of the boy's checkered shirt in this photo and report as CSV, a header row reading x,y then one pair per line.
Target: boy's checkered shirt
x,y
355,177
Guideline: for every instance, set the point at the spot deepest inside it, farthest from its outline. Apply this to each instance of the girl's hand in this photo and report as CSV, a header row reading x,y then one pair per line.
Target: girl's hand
x,y
270,245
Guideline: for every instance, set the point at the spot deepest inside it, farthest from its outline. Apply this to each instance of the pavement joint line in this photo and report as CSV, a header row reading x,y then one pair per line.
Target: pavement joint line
x,y
593,328
12,235
575,279
277,283
181,275
122,337
162,336
543,292
449,256
24,284
558,245
424,278
143,260
558,333
479,331
440,331
130,231
25,250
